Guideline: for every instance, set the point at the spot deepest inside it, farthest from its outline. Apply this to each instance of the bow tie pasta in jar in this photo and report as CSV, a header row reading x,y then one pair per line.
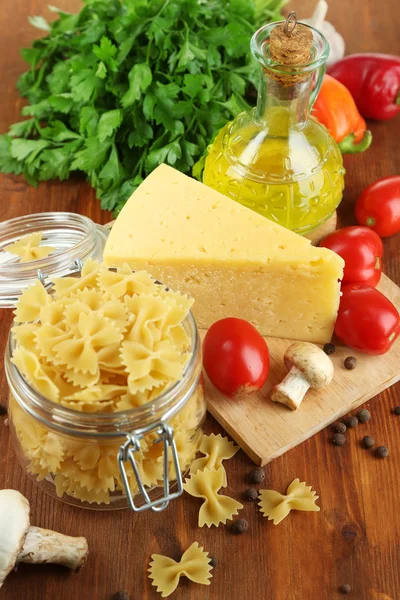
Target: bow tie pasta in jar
x,y
106,399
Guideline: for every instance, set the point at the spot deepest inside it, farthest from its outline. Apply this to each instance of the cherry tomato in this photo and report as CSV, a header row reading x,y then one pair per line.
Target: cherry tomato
x,y
235,357
361,250
367,320
378,207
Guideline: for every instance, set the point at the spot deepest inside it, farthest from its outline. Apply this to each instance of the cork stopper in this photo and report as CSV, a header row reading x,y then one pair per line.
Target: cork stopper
x,y
290,44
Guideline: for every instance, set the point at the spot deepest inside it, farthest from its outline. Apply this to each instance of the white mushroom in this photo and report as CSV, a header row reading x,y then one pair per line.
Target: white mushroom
x,y
19,542
335,40
308,366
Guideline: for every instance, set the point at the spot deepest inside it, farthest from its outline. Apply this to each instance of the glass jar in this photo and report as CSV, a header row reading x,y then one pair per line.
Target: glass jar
x,y
75,237
133,458
276,159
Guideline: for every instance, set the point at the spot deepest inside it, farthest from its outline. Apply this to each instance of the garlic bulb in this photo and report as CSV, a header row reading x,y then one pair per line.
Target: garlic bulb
x,y
335,40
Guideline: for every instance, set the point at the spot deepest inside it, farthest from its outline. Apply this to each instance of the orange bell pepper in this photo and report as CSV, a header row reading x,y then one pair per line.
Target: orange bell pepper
x,y
336,109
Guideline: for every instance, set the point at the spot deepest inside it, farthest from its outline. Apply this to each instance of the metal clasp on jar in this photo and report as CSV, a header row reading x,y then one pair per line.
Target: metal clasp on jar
x,y
127,454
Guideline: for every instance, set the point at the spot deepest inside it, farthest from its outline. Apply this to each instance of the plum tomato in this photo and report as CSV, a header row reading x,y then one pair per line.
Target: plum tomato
x,y
235,357
378,207
367,321
362,251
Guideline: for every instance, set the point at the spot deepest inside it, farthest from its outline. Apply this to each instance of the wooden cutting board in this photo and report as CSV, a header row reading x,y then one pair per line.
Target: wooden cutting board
x,y
266,429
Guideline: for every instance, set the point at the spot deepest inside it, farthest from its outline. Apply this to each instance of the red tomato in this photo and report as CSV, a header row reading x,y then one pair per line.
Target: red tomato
x,y
378,207
235,357
367,320
361,250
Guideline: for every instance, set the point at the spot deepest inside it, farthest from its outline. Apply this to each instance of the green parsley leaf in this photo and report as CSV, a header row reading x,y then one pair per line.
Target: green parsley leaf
x,y
58,132
109,122
92,156
58,79
22,129
140,78
39,23
83,85
89,119
106,52
27,149
113,172
8,164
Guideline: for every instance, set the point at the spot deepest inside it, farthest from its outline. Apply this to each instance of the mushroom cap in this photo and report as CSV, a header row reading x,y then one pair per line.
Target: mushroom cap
x,y
14,526
314,364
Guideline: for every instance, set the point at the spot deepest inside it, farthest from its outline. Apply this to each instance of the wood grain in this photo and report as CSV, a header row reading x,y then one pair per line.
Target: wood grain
x,y
355,537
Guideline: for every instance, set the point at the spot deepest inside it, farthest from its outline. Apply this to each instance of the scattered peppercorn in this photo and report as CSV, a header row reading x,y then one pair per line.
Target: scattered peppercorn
x,y
338,439
351,421
213,561
397,410
3,411
122,595
368,442
363,415
382,452
329,349
345,588
239,526
251,494
257,475
339,427
350,363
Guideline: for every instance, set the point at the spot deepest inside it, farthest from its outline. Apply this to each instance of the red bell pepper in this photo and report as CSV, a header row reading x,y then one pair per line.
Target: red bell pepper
x,y
336,109
374,82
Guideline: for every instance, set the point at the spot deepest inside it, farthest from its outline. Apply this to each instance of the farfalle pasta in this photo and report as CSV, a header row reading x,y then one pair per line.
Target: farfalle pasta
x,y
104,342
216,449
28,248
216,508
276,506
165,572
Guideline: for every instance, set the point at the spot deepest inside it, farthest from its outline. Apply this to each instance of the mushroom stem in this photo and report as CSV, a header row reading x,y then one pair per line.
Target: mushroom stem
x,y
292,389
45,546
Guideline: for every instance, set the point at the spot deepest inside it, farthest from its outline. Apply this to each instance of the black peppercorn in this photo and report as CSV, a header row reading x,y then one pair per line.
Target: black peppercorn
x,y
350,363
345,588
397,410
3,411
213,561
363,415
122,595
239,526
382,452
351,422
338,439
339,427
257,475
329,349
368,442
251,494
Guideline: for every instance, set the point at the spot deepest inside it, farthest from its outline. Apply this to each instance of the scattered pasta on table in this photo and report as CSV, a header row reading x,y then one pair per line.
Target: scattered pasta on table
x,y
165,572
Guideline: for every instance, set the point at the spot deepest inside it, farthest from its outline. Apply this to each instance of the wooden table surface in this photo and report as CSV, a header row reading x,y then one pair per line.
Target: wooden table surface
x,y
355,538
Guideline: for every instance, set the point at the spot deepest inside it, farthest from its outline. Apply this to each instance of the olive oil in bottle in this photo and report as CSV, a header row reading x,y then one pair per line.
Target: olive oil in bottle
x,y
276,159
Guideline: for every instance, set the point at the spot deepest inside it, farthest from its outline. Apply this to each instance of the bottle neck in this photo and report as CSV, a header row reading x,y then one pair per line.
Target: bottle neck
x,y
283,107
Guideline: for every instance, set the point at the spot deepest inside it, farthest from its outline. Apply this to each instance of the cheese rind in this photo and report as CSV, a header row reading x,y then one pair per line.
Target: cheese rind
x,y
231,260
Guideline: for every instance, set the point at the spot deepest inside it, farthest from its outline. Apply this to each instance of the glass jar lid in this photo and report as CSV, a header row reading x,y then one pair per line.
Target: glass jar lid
x,y
73,236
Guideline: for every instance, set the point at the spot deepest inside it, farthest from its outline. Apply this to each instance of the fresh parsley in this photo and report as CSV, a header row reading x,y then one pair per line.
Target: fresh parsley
x,y
123,86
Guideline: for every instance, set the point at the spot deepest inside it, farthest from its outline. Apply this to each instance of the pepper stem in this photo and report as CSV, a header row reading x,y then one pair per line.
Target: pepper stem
x,y
347,145
397,100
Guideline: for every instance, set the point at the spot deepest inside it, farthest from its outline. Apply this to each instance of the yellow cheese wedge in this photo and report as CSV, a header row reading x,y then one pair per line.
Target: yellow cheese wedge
x,y
231,260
